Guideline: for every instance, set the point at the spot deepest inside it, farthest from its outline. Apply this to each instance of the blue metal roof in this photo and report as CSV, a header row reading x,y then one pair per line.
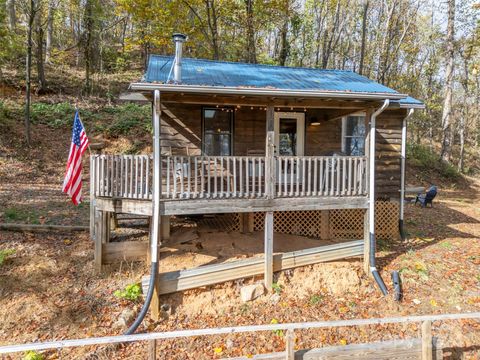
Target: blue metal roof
x,y
200,72
410,101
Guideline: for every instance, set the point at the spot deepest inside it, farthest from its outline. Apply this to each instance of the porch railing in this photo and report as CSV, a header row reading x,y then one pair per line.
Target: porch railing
x,y
220,177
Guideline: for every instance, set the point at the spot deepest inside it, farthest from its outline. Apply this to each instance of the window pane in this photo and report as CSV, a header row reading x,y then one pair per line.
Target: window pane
x,y
355,135
288,137
217,132
355,126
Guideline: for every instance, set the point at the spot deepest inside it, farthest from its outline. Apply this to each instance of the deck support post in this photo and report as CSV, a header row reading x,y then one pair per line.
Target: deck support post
x,y
246,222
270,193
402,173
427,347
268,280
325,225
165,227
155,240
366,245
102,231
93,181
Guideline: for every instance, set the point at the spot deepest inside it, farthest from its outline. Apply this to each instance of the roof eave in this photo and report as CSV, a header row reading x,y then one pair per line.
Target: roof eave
x,y
221,90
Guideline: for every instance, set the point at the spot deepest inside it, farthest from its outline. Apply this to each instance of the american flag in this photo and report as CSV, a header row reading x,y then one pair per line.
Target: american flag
x,y
72,185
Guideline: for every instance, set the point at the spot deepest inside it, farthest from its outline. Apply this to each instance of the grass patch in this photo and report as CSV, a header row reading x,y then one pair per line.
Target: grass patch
x,y
277,288
21,215
421,156
315,299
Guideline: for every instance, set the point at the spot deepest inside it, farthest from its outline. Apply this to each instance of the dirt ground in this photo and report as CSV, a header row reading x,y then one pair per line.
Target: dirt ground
x,y
48,289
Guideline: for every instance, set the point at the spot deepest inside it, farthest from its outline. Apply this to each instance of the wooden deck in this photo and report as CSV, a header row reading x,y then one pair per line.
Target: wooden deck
x,y
229,184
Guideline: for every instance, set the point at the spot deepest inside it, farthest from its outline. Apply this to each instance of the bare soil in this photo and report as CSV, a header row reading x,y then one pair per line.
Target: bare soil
x,y
48,289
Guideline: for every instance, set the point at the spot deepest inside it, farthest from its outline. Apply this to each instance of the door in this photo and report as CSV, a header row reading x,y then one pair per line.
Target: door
x,y
289,141
289,133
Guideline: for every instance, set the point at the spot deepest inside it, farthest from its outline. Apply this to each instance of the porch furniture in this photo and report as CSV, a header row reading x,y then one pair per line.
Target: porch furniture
x,y
427,198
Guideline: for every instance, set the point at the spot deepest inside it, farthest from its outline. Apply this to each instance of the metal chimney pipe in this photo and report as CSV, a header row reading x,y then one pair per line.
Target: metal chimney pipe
x,y
178,39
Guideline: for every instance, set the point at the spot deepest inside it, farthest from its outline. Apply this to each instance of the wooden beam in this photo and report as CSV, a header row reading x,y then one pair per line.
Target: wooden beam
x,y
379,350
266,101
341,113
42,228
180,280
427,348
268,230
125,250
213,206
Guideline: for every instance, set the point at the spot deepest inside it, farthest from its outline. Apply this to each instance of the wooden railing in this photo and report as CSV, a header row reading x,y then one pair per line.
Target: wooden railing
x,y
300,176
192,177
217,177
122,176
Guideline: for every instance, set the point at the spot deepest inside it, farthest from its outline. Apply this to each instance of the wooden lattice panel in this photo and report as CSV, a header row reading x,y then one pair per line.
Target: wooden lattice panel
x,y
386,220
224,222
342,223
346,223
304,223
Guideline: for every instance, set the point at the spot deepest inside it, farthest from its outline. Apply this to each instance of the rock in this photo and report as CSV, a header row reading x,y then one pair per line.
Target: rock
x,y
125,318
275,298
251,292
165,311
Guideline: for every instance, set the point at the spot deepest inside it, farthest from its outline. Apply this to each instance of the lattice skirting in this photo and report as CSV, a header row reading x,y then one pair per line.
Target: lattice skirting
x,y
334,224
325,224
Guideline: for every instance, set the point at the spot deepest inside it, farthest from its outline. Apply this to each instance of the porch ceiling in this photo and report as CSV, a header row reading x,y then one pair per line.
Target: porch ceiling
x,y
263,101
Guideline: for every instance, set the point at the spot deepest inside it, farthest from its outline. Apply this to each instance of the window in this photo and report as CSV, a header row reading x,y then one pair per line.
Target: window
x,y
353,135
217,132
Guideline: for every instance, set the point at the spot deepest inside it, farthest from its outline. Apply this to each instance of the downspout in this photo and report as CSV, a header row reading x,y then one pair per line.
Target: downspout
x,y
155,214
371,206
402,173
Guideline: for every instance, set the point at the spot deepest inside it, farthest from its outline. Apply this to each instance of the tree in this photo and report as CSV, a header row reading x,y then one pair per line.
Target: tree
x,y
447,104
32,9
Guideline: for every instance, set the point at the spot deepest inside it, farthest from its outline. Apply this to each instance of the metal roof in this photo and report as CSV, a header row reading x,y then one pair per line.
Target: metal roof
x,y
199,75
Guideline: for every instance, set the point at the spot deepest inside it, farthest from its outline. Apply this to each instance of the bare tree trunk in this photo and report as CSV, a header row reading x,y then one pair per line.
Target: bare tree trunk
x,y
42,84
88,45
49,38
212,24
364,36
28,70
11,14
251,48
285,46
447,105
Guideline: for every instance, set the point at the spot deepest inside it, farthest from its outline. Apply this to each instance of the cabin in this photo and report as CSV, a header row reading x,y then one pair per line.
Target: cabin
x,y
309,152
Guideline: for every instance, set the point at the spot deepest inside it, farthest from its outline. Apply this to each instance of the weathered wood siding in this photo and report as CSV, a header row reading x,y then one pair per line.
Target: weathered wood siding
x,y
388,153
182,133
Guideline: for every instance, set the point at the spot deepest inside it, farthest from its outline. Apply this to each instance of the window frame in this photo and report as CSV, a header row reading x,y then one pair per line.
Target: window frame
x,y
232,128
344,132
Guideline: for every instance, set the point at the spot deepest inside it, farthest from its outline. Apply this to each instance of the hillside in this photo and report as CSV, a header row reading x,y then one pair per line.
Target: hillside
x,y
50,291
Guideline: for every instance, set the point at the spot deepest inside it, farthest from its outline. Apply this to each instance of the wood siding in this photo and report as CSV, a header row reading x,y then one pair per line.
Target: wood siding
x,y
388,153
182,133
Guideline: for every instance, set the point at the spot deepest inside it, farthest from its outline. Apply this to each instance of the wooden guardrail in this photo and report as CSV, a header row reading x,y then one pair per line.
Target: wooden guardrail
x,y
426,320
220,177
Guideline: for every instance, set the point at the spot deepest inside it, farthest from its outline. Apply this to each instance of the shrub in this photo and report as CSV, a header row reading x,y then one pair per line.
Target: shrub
x,y
33,355
128,119
422,156
53,115
4,254
131,292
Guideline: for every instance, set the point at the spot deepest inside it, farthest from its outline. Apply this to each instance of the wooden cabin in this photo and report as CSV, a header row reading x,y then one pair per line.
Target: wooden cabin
x,y
280,149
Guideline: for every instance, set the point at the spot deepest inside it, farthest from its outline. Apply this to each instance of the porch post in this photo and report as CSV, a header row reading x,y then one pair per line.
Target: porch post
x,y
155,240
268,250
270,193
93,181
366,223
402,173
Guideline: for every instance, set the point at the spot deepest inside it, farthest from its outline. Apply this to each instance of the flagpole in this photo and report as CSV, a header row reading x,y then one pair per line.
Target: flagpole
x,y
78,111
